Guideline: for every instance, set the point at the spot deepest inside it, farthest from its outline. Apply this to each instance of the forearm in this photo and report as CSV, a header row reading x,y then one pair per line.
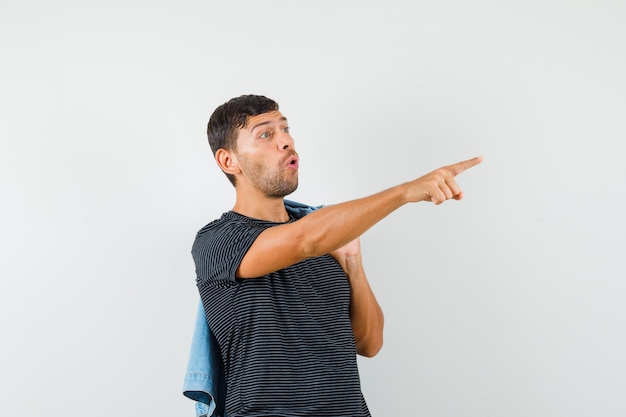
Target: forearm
x,y
334,226
365,312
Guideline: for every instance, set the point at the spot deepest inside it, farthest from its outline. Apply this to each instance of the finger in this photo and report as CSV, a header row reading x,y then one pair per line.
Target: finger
x,y
437,196
455,190
463,165
447,191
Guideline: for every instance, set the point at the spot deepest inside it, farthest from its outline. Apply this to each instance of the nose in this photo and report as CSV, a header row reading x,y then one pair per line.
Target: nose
x,y
285,142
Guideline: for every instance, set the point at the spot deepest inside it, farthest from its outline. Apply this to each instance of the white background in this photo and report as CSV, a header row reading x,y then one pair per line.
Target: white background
x,y
508,303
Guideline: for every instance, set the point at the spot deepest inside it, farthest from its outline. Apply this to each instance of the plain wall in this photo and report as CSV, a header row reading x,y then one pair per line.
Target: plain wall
x,y
510,302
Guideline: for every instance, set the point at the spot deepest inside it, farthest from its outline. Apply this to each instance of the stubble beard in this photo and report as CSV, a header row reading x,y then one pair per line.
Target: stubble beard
x,y
273,185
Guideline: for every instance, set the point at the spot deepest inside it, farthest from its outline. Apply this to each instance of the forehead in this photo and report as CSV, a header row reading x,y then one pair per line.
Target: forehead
x,y
263,119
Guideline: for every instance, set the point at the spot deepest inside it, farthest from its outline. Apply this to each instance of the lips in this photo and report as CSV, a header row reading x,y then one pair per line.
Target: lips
x,y
292,161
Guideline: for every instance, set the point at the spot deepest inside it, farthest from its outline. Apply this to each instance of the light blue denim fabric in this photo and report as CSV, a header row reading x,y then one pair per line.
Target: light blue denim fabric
x,y
204,380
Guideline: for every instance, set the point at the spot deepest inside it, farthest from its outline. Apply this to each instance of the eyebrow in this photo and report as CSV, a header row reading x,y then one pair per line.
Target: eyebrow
x,y
282,119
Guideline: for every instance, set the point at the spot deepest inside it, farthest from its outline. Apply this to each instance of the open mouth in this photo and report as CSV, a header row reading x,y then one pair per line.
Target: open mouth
x,y
293,162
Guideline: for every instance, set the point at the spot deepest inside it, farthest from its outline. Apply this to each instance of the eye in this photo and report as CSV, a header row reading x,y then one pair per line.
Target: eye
x,y
286,129
264,135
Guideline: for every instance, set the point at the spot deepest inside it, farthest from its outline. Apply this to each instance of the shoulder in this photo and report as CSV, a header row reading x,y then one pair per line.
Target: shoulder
x,y
220,245
231,233
228,226
224,222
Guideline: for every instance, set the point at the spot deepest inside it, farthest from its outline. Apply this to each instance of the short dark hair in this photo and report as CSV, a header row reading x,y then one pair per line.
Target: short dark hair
x,y
233,115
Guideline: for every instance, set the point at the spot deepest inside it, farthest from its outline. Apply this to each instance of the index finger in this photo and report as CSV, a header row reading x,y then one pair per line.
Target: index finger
x,y
463,165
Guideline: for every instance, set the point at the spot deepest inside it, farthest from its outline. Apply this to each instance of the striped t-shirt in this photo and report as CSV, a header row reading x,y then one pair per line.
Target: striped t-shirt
x,y
285,338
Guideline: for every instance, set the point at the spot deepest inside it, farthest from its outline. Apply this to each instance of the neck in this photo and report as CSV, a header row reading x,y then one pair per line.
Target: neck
x,y
259,206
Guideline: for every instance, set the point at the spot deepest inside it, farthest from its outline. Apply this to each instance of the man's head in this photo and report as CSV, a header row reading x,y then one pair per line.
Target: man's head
x,y
226,121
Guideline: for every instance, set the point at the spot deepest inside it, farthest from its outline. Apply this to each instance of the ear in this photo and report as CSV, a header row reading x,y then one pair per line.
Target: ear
x,y
227,161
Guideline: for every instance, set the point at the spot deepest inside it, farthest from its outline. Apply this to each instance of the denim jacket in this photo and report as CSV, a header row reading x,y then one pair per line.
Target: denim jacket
x,y
204,380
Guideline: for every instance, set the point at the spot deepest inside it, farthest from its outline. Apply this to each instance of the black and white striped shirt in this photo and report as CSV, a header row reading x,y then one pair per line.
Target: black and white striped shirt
x,y
285,338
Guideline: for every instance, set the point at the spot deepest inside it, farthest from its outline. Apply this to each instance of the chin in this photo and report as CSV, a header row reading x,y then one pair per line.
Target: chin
x,y
283,193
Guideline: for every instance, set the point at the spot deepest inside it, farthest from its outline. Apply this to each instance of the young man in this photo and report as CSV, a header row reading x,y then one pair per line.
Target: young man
x,y
286,296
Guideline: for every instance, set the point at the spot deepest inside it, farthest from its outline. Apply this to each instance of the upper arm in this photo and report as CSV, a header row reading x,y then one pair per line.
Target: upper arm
x,y
275,248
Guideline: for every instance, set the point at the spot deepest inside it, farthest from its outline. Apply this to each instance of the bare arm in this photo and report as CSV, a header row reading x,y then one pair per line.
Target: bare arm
x,y
330,228
365,312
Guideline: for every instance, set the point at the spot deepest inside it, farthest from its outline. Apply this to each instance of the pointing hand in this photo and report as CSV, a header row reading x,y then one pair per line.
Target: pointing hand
x,y
440,185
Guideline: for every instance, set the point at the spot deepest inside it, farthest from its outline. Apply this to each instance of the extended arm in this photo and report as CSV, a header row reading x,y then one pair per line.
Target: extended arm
x,y
365,312
330,228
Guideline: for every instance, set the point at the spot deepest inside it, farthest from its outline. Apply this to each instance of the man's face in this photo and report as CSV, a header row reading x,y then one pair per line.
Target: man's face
x,y
266,154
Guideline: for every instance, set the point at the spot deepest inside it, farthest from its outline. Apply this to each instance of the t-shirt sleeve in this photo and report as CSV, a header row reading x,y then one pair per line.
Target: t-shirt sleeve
x,y
219,249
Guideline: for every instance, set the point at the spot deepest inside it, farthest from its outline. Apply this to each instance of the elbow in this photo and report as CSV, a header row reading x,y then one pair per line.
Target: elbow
x,y
370,347
369,338
308,249
309,246
313,237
